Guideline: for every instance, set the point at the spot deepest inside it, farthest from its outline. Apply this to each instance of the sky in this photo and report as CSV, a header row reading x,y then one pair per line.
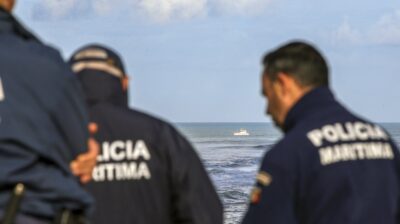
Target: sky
x,y
200,60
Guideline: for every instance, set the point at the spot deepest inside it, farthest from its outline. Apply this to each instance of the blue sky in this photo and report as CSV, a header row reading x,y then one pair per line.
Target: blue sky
x,y
199,60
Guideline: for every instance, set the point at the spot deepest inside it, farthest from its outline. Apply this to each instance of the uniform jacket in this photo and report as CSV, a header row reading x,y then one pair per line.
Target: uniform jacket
x,y
330,167
43,124
147,172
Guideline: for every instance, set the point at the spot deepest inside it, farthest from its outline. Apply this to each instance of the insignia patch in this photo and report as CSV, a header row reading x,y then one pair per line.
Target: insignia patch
x,y
255,195
2,96
110,61
264,178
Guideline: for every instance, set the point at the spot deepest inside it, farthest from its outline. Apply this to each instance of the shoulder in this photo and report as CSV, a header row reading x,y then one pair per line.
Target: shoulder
x,y
30,50
293,151
286,151
163,127
132,117
41,68
52,59
36,60
132,122
158,124
166,136
292,143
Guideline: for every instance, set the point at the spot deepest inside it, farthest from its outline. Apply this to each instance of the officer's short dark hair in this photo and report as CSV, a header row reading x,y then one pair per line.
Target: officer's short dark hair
x,y
300,60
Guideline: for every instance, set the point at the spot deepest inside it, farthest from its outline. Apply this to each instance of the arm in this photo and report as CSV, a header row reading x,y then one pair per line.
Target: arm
x,y
272,199
84,164
397,164
193,195
72,121
71,116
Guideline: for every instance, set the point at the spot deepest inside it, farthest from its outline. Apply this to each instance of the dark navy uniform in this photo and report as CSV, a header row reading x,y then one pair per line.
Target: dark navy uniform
x,y
43,124
147,172
331,167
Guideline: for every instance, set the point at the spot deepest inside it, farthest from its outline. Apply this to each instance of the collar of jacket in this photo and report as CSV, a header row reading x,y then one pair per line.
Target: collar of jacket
x,y
9,24
101,87
311,102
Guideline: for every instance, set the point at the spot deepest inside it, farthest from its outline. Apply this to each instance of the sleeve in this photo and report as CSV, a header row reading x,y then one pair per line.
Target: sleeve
x,y
71,116
396,160
396,154
194,198
272,199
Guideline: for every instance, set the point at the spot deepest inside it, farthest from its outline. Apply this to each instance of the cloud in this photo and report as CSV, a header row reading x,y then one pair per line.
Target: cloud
x,y
386,30
103,7
242,7
62,9
157,10
346,33
56,8
166,10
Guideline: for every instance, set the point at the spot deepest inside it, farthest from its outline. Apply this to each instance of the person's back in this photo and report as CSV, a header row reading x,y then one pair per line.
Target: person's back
x,y
347,168
351,169
147,172
331,166
43,124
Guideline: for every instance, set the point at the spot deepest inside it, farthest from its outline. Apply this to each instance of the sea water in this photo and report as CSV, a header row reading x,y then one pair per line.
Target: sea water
x,y
232,161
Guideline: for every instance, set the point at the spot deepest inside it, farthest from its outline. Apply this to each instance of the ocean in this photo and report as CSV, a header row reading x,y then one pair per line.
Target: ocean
x,y
232,161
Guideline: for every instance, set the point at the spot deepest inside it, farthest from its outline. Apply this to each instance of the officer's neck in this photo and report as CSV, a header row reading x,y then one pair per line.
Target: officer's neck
x,y
6,6
290,95
3,10
5,20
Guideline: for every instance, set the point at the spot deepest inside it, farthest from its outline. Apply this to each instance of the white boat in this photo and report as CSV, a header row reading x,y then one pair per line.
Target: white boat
x,y
241,132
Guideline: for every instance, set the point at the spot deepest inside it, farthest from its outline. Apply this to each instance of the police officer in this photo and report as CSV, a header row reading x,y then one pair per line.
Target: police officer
x,y
43,130
147,172
331,166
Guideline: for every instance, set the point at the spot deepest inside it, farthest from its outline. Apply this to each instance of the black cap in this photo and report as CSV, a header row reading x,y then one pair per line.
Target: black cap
x,y
97,57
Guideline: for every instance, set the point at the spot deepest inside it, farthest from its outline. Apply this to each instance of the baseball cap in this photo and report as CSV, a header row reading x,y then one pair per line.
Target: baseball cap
x,y
97,57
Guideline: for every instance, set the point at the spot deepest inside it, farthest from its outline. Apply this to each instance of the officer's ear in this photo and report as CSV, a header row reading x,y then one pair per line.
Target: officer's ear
x,y
289,88
284,83
125,83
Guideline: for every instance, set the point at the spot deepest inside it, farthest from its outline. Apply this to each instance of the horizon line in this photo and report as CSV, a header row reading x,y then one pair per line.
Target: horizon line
x,y
216,122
